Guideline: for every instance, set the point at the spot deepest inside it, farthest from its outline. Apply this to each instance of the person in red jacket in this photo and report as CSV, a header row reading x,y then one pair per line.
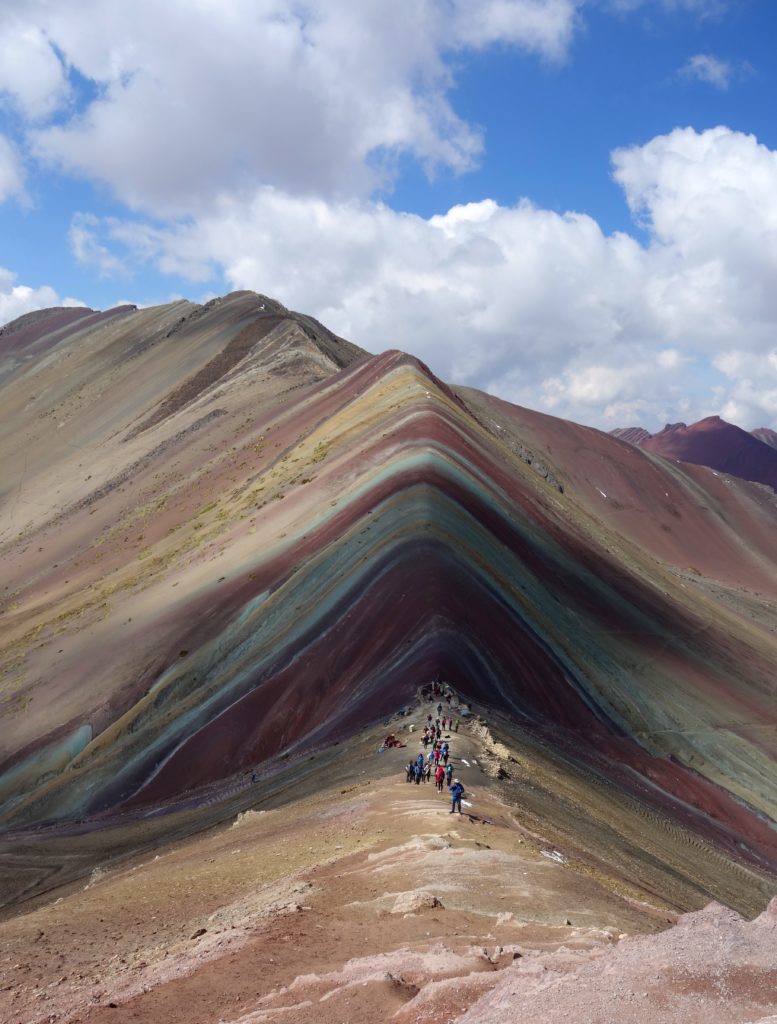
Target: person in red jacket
x,y
440,777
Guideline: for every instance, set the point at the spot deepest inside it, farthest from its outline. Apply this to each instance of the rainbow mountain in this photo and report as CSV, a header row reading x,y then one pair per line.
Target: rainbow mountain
x,y
231,540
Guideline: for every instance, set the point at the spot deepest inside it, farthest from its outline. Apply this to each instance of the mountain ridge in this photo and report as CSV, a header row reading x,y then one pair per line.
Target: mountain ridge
x,y
239,554
289,545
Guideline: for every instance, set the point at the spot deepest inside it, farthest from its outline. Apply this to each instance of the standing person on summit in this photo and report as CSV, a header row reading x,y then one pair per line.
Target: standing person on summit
x,y
457,791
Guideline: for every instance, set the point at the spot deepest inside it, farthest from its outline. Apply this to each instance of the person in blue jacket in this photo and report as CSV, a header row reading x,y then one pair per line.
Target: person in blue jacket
x,y
457,791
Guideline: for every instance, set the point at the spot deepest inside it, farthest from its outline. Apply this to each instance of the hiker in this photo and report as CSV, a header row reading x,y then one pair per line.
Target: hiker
x,y
456,725
428,772
418,772
426,739
449,774
439,710
410,771
439,777
456,793
420,759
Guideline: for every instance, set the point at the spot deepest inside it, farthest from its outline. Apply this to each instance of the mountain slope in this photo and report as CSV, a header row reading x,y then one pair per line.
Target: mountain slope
x,y
342,893
233,540
767,435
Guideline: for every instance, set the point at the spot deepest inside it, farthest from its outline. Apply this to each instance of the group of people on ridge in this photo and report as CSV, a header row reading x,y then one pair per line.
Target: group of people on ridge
x,y
435,764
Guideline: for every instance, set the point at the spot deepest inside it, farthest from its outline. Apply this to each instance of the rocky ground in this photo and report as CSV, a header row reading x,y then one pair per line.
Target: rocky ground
x,y
358,897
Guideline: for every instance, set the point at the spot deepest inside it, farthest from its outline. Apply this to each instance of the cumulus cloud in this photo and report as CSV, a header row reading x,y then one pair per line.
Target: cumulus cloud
x,y
11,173
751,394
521,300
315,96
545,26
32,77
17,299
85,246
251,138
709,200
706,68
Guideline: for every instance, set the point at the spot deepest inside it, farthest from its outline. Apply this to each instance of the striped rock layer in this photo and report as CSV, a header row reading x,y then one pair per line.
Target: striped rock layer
x,y
230,538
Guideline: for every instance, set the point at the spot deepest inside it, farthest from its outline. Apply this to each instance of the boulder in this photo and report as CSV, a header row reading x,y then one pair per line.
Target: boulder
x,y
413,901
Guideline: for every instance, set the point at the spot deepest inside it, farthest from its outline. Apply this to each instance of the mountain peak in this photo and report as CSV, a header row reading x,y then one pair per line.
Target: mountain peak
x,y
241,556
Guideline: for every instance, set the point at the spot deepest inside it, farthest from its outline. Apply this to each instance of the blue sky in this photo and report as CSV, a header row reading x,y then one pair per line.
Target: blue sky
x,y
572,204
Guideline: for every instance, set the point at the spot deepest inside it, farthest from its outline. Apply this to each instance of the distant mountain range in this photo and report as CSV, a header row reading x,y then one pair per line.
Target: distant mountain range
x,y
714,443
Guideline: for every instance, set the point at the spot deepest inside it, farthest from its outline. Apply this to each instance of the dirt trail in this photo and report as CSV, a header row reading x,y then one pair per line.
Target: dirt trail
x,y
362,899
298,892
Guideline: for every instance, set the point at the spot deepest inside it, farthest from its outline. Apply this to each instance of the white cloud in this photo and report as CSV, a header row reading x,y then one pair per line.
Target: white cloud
x,y
11,173
314,96
525,301
703,9
752,393
85,246
254,134
17,299
545,26
32,77
709,200
492,278
706,68
670,358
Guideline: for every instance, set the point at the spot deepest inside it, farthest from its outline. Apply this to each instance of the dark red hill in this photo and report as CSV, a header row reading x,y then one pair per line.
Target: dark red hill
x,y
722,446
